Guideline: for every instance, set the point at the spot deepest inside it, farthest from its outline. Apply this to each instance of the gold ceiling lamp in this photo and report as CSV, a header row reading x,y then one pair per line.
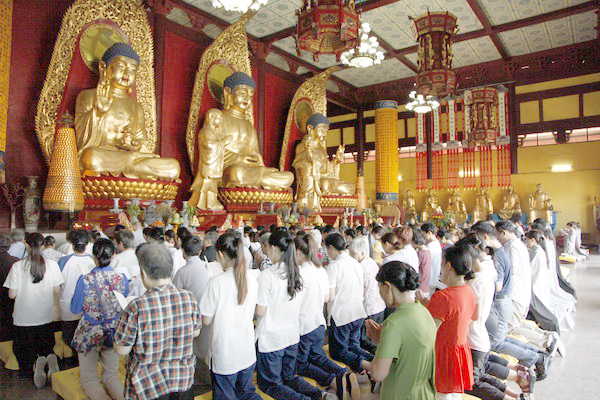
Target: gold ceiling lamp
x,y
327,27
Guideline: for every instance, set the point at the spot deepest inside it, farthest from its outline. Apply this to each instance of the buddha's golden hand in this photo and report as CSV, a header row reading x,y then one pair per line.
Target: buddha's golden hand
x,y
104,97
138,156
253,159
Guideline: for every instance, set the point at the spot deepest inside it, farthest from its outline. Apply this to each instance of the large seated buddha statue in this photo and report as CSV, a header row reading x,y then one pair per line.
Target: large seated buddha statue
x,y
457,207
511,204
109,124
540,205
432,208
483,206
243,165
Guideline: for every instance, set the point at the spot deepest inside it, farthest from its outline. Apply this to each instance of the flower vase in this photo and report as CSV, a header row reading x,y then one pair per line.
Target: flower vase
x,y
32,205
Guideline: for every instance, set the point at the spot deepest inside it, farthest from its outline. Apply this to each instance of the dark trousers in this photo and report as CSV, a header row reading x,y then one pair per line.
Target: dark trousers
x,y
485,386
277,376
68,330
344,344
312,361
31,342
365,342
178,396
235,386
497,366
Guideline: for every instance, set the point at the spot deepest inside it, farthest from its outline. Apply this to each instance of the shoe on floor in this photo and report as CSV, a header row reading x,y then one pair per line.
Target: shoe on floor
x,y
39,373
52,365
328,396
553,346
560,348
541,367
353,386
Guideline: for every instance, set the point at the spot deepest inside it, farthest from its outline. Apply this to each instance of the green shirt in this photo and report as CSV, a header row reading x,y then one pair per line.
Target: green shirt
x,y
408,336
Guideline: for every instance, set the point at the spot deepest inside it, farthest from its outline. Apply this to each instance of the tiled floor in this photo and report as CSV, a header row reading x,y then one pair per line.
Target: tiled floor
x,y
577,376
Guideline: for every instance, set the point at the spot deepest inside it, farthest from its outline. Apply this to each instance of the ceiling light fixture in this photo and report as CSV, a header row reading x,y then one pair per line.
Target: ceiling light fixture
x,y
241,6
365,54
421,104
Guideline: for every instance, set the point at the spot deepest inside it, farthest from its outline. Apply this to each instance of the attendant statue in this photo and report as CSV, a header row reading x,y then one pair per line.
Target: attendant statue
x,y
432,208
243,165
540,205
109,124
511,203
483,206
409,205
316,175
211,147
456,206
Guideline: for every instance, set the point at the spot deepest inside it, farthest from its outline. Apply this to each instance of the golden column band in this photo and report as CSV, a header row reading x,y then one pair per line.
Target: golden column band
x,y
386,150
5,46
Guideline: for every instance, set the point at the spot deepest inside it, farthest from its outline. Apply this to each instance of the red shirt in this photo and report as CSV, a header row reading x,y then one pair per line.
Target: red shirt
x,y
453,306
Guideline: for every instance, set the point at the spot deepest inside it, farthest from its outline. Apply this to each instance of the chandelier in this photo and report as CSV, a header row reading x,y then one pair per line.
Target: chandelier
x,y
435,77
365,54
239,5
327,27
422,103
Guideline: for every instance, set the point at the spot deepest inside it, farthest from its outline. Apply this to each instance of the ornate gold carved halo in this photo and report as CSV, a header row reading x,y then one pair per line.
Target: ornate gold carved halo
x,y
131,17
302,113
95,39
217,73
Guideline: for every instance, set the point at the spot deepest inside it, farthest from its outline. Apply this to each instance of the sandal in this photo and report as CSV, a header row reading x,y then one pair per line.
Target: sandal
x,y
352,384
525,378
340,386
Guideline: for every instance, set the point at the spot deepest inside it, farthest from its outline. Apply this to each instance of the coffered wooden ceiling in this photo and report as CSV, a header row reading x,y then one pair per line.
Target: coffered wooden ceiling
x,y
495,33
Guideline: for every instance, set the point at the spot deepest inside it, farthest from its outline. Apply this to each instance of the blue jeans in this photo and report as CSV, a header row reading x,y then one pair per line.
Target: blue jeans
x,y
344,344
235,386
503,309
526,354
276,376
313,362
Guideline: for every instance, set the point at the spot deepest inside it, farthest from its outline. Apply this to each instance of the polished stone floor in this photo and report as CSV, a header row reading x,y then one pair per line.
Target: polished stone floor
x,y
576,376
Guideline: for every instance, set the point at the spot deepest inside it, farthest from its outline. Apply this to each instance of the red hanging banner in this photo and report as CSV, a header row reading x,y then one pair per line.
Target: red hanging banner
x,y
503,141
421,155
452,149
437,158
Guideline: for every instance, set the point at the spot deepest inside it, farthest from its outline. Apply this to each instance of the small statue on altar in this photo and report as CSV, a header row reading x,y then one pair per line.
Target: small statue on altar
x,y
109,124
409,205
540,205
483,206
243,163
456,206
330,181
432,208
211,146
511,203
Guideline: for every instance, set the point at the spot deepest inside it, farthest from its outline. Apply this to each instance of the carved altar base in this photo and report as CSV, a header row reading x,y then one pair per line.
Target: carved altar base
x,y
337,203
249,200
110,187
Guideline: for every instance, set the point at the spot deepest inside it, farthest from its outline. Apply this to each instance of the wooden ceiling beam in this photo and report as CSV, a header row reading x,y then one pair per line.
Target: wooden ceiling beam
x,y
391,52
480,14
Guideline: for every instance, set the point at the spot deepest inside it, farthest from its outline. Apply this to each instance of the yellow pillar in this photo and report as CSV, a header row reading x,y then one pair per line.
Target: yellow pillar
x,y
386,150
6,7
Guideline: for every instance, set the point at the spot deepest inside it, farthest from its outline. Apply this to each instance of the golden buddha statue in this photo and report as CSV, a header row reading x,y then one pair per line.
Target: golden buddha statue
x,y
243,165
211,147
409,205
316,175
432,207
456,206
540,205
483,206
511,203
109,124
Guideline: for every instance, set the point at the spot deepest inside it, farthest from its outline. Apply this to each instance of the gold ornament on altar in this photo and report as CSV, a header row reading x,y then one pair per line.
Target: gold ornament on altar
x,y
483,206
432,208
511,204
540,205
457,207
409,205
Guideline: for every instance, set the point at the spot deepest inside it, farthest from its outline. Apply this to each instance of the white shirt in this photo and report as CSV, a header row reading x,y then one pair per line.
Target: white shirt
x,y
521,272
67,248
72,266
138,237
248,258
18,250
126,263
436,262
316,288
178,260
483,286
279,327
406,255
34,304
52,254
372,302
346,275
232,343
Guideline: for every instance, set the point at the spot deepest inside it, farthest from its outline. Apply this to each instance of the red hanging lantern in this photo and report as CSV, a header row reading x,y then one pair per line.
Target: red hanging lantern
x,y
327,27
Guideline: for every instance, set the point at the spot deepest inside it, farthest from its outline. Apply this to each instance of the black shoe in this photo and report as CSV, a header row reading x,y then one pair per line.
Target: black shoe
x,y
541,367
553,347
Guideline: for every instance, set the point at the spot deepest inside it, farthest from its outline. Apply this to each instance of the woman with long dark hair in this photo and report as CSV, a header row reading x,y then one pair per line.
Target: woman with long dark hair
x,y
227,306
280,295
32,282
93,336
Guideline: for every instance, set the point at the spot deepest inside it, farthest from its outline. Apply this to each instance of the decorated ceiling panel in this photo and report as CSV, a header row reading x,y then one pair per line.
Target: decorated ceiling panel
x,y
560,32
503,11
289,45
389,70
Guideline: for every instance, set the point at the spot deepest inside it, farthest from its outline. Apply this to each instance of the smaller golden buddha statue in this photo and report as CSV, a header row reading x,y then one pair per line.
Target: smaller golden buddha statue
x,y
109,124
330,181
456,206
432,207
483,206
540,205
511,203
211,147
409,205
